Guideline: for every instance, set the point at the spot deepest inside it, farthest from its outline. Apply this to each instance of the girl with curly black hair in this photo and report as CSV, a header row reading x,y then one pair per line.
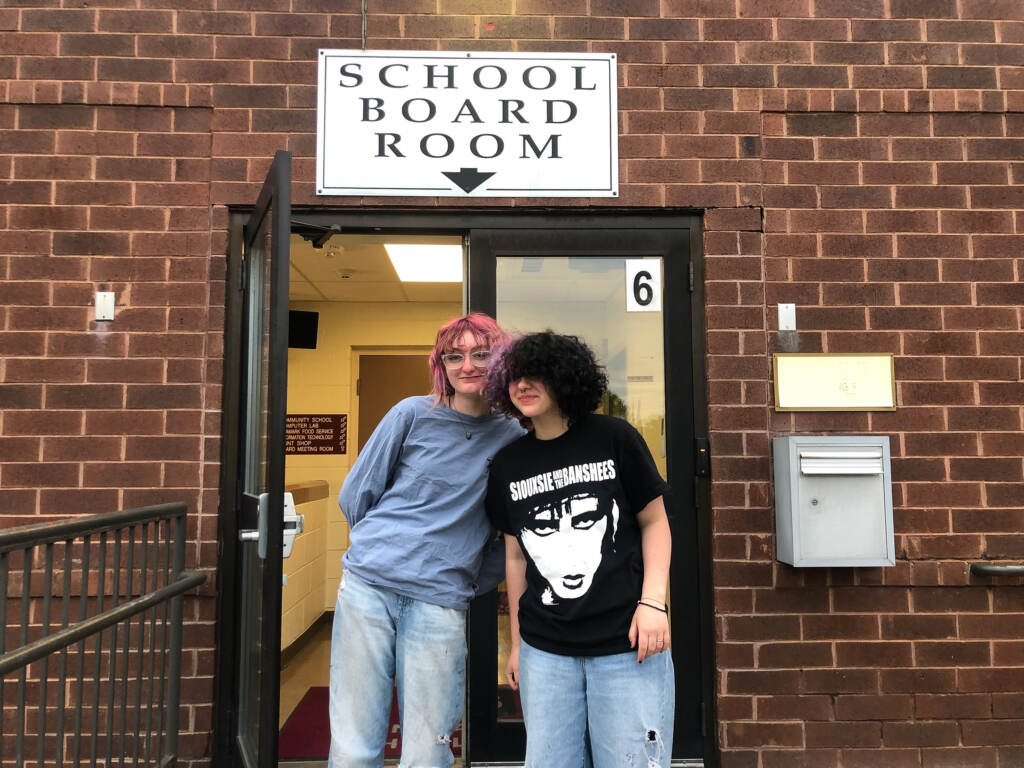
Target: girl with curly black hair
x,y
587,557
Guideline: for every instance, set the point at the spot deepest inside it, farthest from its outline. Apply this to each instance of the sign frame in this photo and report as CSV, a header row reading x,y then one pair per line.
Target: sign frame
x,y
375,159
799,377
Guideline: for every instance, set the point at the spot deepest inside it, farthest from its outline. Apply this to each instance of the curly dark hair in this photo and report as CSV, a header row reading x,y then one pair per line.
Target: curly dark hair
x,y
565,364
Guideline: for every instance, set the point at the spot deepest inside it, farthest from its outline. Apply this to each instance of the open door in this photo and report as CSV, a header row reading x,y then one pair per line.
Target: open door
x,y
259,496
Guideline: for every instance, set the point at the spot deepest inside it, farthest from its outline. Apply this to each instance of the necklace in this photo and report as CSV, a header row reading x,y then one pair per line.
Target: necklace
x,y
469,435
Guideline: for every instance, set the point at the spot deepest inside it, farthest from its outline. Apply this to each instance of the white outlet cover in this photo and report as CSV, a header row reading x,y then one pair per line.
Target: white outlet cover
x,y
104,305
787,317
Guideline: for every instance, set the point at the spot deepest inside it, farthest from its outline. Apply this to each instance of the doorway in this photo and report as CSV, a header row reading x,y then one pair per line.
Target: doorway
x,y
569,272
374,331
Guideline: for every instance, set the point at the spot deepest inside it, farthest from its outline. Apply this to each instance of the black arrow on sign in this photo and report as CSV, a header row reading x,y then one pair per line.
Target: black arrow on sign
x,y
468,179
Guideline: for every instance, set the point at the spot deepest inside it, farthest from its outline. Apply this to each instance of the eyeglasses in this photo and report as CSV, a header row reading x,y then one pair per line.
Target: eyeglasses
x,y
478,358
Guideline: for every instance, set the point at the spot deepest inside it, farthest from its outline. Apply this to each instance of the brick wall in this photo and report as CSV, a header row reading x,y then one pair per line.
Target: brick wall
x,y
867,169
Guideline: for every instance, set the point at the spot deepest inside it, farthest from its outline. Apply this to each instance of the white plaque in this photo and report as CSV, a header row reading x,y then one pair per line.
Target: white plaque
x,y
643,285
431,123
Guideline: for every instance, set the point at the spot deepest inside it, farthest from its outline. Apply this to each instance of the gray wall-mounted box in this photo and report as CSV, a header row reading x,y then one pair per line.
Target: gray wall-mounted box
x,y
833,500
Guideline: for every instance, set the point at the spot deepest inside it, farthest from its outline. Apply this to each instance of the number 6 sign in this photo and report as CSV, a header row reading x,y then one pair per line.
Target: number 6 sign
x,y
643,285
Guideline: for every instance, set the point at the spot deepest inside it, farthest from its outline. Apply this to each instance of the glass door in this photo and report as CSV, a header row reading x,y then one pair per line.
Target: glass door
x,y
624,292
260,471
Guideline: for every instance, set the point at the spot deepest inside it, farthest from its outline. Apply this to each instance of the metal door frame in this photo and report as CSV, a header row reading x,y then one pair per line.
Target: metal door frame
x,y
462,221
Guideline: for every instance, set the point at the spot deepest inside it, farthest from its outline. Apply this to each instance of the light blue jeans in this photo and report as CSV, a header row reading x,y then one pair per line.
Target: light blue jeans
x,y
626,708
380,637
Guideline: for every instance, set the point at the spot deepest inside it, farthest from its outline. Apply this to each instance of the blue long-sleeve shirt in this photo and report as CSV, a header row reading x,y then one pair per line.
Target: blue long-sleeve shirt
x,y
414,501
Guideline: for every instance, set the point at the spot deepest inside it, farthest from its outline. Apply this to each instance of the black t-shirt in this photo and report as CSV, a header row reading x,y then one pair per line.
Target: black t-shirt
x,y
572,504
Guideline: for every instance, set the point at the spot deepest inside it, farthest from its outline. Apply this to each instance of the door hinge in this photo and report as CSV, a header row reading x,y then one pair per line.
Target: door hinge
x,y
703,719
358,386
690,268
701,457
241,274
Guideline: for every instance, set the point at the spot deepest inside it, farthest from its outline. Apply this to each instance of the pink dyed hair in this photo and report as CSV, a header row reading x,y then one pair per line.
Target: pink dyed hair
x,y
483,327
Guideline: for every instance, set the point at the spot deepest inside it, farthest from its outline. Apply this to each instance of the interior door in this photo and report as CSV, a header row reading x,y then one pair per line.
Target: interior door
x,y
637,317
383,381
260,481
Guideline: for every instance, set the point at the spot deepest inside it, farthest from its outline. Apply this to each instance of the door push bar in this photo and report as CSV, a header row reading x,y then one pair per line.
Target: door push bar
x,y
294,524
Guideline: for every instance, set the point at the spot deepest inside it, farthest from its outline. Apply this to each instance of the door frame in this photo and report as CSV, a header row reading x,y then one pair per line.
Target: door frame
x,y
461,221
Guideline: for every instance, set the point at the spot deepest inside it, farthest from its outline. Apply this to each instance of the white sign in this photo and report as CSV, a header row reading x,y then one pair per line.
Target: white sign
x,y
467,124
643,285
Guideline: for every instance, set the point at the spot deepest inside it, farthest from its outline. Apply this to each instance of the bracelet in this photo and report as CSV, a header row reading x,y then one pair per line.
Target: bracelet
x,y
662,603
662,608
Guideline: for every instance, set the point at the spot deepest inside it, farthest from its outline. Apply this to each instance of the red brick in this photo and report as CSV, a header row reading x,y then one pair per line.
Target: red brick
x,y
993,732
990,680
761,682
897,173
743,734
65,448
794,707
891,707
124,422
858,9
84,396
752,628
42,475
840,734
789,655
812,29
961,31
1002,444
664,29
121,475
700,53
698,98
737,29
738,76
1000,393
821,125
994,149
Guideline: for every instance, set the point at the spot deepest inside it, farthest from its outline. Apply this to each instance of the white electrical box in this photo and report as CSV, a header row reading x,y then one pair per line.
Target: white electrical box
x,y
833,500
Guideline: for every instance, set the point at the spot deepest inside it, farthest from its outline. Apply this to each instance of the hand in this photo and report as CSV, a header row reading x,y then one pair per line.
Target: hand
x,y
649,632
512,668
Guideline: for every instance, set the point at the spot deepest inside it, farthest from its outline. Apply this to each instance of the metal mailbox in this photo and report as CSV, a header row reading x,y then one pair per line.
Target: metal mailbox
x,y
833,500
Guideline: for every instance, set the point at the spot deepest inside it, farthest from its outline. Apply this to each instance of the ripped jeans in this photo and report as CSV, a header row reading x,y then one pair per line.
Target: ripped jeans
x,y
380,637
626,708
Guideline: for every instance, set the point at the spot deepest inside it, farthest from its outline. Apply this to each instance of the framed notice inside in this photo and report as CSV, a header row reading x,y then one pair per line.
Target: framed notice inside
x,y
834,382
319,433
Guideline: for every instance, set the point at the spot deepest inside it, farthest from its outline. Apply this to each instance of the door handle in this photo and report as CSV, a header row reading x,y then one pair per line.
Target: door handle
x,y
991,569
292,525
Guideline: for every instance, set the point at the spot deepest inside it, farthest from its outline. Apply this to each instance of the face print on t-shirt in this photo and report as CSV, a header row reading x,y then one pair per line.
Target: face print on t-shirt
x,y
566,540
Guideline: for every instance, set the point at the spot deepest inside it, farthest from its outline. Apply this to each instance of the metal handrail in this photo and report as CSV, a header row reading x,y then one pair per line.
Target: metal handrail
x,y
44,646
139,567
35,534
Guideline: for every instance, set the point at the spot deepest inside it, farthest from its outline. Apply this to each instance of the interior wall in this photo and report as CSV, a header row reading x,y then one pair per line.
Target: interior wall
x,y
320,381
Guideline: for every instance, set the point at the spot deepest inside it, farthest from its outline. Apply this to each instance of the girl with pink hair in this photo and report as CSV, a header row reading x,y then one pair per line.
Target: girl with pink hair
x,y
420,548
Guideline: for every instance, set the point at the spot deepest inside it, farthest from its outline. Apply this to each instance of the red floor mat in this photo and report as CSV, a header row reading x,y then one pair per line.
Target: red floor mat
x,y
307,733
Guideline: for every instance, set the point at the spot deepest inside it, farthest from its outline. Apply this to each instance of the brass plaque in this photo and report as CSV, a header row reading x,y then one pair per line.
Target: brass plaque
x,y
834,382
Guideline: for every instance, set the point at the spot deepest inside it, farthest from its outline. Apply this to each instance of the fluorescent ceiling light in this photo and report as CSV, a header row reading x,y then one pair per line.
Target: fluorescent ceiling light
x,y
426,263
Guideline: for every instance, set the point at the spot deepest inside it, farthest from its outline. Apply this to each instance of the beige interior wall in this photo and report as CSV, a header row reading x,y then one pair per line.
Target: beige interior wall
x,y
321,381
302,596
